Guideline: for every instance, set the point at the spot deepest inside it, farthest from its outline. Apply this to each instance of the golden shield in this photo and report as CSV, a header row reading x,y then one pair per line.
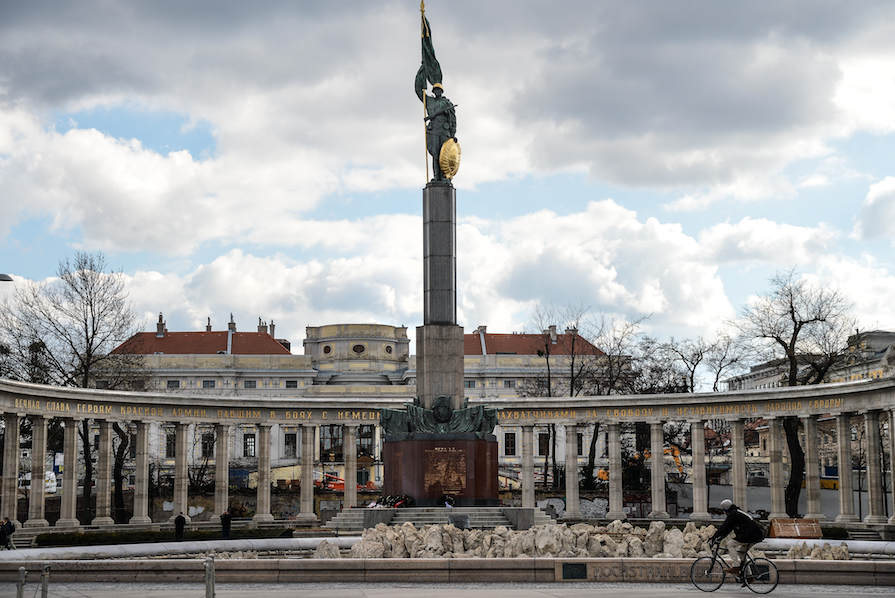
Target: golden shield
x,y
449,159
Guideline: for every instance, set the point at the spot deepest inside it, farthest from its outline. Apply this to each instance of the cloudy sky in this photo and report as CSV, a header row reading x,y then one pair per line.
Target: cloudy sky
x,y
267,158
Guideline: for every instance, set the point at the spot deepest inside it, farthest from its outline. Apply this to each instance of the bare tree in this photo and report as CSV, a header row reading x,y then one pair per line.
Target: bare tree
x,y
724,358
64,330
801,323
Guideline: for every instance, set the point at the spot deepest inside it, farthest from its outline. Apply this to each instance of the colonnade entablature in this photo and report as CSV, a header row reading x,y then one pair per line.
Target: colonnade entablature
x,y
801,401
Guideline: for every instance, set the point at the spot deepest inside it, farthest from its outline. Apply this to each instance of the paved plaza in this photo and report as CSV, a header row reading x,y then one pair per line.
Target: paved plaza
x,y
411,590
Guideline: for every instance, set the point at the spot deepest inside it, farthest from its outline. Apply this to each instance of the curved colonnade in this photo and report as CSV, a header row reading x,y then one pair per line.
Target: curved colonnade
x,y
873,400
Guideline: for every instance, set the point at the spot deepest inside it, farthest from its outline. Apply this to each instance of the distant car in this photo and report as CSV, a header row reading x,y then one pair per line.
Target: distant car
x,y
50,485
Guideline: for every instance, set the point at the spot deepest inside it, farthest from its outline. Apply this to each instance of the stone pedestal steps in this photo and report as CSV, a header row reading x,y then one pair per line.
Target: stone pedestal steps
x,y
352,520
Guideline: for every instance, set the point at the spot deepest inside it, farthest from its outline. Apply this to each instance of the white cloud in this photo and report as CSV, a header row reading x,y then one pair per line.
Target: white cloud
x,y
877,217
762,240
869,283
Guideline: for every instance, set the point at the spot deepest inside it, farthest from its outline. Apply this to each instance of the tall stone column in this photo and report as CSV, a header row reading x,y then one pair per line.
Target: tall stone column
x,y
181,471
10,501
874,469
657,470
528,467
775,442
350,496
221,470
738,462
37,503
141,475
892,460
262,512
104,474
844,465
616,491
812,469
68,516
700,490
573,509
307,515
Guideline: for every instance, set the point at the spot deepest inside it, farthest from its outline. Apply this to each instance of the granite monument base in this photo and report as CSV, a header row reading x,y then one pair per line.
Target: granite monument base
x,y
428,466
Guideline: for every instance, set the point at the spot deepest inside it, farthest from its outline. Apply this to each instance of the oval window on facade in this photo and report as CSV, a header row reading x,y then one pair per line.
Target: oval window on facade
x,y
327,350
388,349
358,349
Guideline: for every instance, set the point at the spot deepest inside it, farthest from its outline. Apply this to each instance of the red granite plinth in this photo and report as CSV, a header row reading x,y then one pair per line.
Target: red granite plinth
x,y
427,466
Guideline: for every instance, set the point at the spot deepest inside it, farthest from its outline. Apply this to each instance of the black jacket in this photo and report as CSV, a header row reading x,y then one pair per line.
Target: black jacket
x,y
744,527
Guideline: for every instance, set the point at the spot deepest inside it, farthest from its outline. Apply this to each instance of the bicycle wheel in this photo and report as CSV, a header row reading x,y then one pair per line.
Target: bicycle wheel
x,y
760,575
707,574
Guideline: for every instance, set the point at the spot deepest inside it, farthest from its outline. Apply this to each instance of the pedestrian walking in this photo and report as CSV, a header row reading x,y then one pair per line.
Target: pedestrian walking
x,y
226,520
179,524
7,529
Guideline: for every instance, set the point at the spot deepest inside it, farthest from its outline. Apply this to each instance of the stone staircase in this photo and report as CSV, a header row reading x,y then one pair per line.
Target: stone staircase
x,y
352,520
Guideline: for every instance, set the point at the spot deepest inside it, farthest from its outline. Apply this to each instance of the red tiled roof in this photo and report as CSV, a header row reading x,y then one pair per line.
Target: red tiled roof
x,y
202,343
525,344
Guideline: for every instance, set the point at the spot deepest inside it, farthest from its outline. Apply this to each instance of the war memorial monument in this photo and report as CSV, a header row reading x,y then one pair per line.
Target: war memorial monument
x,y
439,448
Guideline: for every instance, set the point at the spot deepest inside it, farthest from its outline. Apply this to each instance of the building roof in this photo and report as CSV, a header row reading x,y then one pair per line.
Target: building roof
x,y
202,343
526,344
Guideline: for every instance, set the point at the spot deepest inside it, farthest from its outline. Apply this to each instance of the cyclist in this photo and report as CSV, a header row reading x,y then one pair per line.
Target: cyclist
x,y
747,533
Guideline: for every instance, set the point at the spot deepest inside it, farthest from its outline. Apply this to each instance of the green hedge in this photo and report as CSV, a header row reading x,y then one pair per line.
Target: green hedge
x,y
144,537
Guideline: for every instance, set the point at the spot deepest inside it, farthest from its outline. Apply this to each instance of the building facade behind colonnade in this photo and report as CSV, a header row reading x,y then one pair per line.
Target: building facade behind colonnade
x,y
267,410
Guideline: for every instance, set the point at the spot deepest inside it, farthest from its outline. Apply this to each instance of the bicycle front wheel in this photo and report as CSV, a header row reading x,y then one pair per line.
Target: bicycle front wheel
x,y
760,575
707,574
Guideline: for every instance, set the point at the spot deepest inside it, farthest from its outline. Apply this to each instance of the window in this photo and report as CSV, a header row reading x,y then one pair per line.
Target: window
x,y
208,445
543,444
172,384
854,433
580,444
290,445
331,443
509,384
469,384
542,384
509,444
170,444
248,445
208,384
291,383
250,384
365,438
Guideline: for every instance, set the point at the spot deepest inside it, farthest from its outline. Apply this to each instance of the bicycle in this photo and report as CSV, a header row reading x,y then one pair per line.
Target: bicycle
x,y
758,574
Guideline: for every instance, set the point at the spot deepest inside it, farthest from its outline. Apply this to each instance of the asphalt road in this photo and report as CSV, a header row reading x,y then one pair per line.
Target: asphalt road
x,y
440,590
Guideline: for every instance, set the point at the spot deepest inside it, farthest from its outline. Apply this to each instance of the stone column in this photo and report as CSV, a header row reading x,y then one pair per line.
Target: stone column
x,y
700,490
812,469
844,465
738,462
616,492
36,503
104,475
68,516
181,471
262,512
775,441
892,461
528,467
349,433
221,470
657,471
573,510
141,475
307,516
10,502
876,513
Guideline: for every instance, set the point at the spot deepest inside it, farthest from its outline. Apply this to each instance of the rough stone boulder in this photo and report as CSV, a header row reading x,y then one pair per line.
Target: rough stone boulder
x,y
327,550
